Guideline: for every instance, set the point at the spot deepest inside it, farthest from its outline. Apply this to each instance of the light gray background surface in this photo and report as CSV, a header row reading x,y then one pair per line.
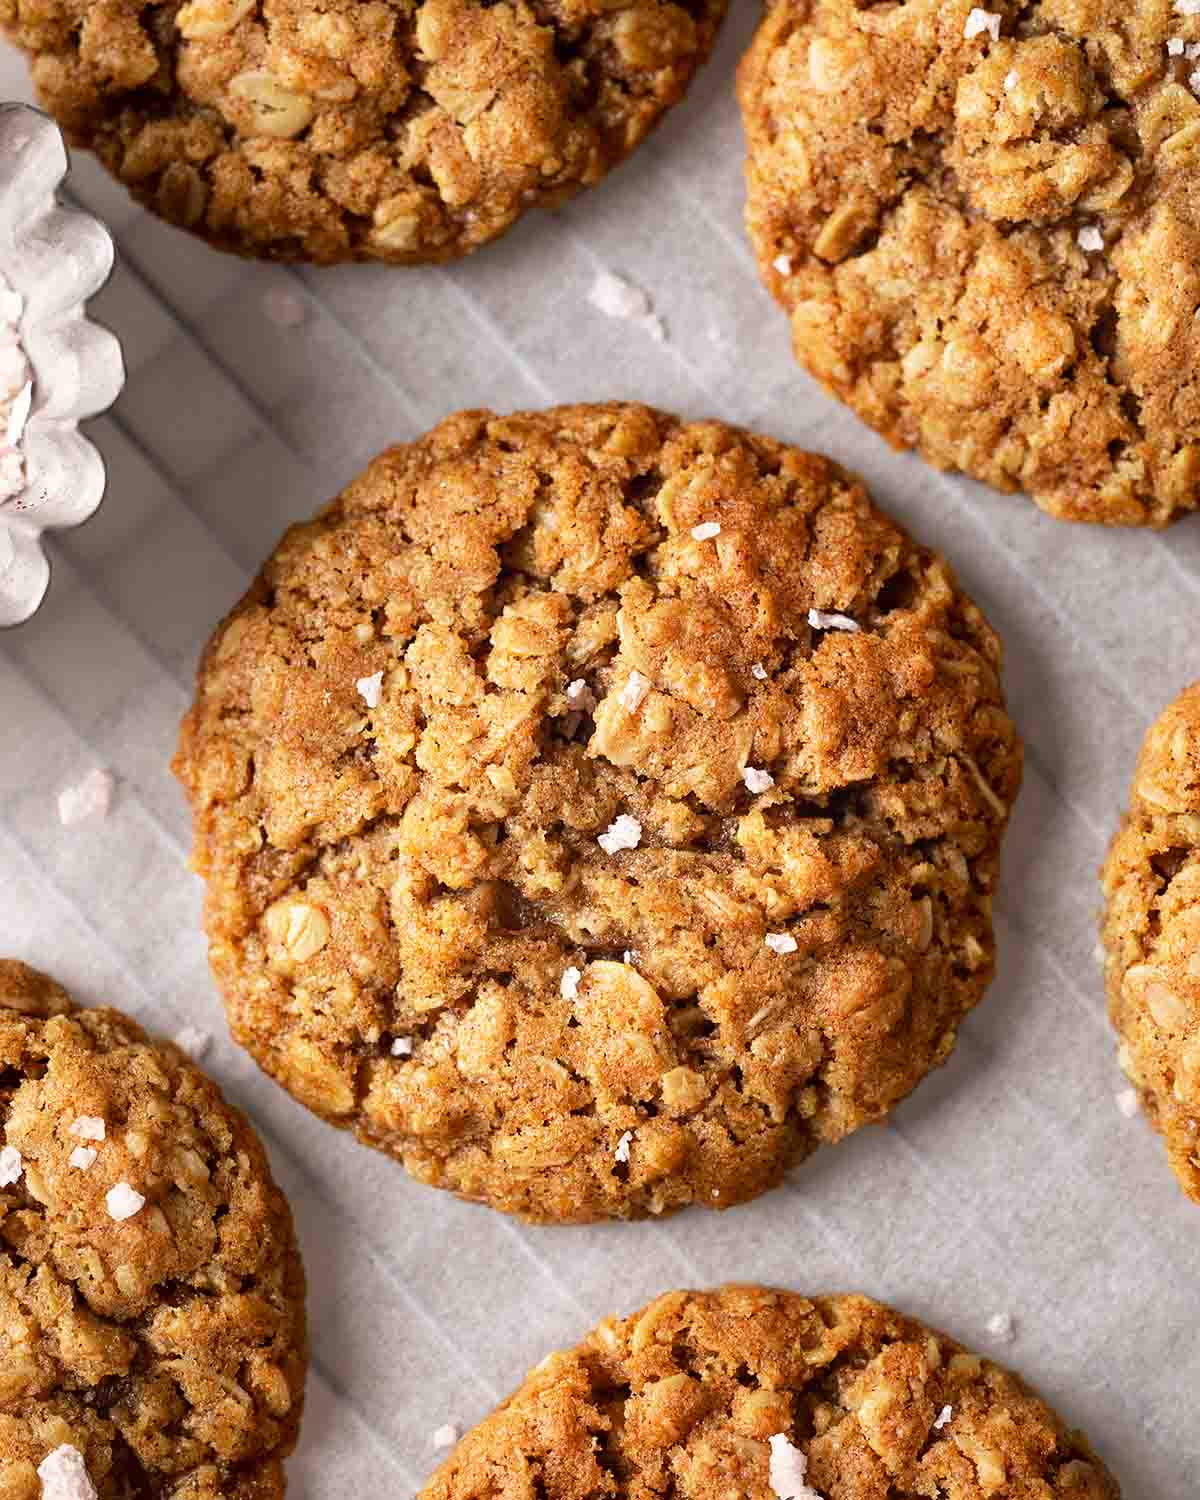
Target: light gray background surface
x,y
1009,1182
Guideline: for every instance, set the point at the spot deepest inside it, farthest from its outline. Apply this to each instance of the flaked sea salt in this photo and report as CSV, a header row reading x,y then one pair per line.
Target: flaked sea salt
x,y
756,780
781,942
370,689
787,1469
980,21
759,671
706,531
193,1041
88,799
821,619
617,298
64,1475
1127,1102
623,832
402,1046
283,307
783,264
1089,238
123,1202
622,1151
1001,1326
11,1166
568,985
633,694
942,1418
87,1128
82,1157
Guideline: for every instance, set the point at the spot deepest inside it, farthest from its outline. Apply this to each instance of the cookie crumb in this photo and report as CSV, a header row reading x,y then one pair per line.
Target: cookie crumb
x,y
787,1469
64,1475
706,531
445,1436
783,264
82,1158
568,985
622,1151
11,1166
87,1128
123,1202
820,619
623,832
1089,238
1001,1326
759,671
90,797
579,695
1127,1102
370,689
283,307
781,942
756,780
193,1041
980,21
942,1418
633,694
402,1046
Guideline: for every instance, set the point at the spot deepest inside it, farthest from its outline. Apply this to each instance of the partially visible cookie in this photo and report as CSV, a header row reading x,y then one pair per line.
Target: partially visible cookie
x,y
983,225
767,1395
1152,933
151,1294
332,130
600,811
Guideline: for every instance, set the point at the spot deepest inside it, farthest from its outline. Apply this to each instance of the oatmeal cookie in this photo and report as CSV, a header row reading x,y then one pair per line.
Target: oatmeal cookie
x,y
771,1396
984,228
1152,934
332,130
600,811
151,1294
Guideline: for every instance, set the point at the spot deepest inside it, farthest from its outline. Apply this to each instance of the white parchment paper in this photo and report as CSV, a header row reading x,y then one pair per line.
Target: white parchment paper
x,y
1010,1182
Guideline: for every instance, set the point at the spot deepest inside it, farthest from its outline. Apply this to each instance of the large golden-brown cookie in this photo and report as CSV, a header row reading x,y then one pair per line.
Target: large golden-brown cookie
x,y
767,1395
599,812
1152,933
151,1294
331,130
983,225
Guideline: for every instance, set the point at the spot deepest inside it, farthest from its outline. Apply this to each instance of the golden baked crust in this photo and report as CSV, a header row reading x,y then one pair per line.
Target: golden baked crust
x,y
683,1398
167,1347
428,869
1152,933
331,130
916,199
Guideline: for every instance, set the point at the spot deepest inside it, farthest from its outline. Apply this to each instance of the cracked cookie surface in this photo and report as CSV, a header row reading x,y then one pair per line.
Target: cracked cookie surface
x,y
398,130
551,846
990,247
161,1339
1152,934
766,1394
